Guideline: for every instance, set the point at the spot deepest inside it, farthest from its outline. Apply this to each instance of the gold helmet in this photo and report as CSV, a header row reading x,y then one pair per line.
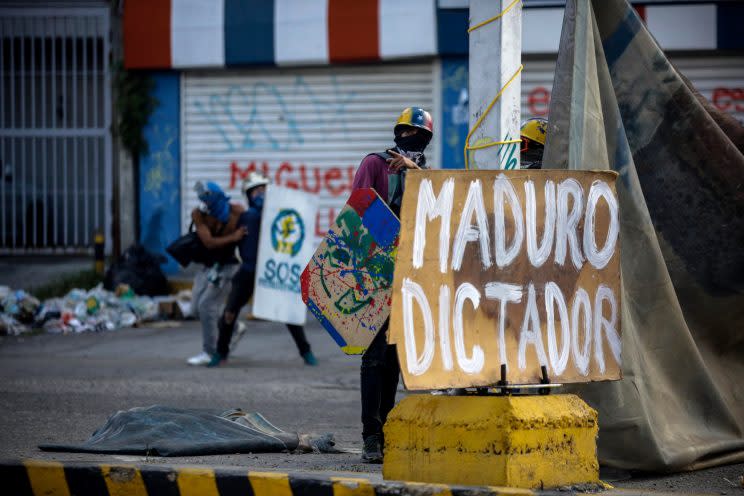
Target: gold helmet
x,y
535,129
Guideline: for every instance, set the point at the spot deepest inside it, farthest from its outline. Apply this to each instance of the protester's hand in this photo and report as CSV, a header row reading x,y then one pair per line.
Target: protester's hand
x,y
399,162
239,233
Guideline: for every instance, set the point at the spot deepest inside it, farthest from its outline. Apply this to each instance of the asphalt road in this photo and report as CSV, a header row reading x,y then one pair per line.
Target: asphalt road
x,y
59,389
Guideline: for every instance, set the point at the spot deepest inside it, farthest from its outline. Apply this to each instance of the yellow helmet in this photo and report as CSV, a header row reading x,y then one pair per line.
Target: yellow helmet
x,y
535,129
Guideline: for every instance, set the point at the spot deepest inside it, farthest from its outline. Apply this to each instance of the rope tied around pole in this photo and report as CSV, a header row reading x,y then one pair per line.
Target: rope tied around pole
x,y
495,99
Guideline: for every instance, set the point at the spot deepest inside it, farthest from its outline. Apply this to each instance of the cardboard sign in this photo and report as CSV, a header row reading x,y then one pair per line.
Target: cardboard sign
x,y
285,246
347,283
507,267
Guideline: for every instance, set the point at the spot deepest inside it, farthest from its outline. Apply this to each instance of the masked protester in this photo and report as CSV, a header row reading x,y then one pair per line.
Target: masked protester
x,y
533,133
216,224
386,172
254,189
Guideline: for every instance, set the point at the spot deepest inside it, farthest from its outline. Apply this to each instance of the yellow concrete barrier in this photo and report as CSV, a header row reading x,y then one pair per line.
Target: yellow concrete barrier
x,y
513,441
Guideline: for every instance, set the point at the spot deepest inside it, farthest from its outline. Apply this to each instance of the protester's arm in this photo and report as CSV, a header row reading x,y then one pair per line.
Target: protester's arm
x,y
213,242
372,173
399,162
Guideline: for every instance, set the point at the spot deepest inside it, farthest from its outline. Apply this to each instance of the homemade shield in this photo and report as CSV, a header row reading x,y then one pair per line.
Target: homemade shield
x,y
348,281
285,246
513,268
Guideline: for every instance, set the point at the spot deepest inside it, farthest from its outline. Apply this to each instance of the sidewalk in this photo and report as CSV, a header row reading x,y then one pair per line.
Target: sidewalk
x,y
31,477
30,272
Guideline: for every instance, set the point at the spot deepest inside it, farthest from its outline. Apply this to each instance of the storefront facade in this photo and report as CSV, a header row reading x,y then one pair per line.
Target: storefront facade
x,y
304,90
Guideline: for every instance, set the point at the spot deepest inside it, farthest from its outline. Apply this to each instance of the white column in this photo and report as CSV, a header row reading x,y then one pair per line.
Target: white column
x,y
495,57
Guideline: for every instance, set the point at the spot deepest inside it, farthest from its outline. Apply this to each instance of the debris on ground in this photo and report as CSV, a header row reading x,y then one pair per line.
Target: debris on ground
x,y
82,310
140,270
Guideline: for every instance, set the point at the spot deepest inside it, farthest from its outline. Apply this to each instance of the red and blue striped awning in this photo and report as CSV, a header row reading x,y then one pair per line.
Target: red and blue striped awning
x,y
227,33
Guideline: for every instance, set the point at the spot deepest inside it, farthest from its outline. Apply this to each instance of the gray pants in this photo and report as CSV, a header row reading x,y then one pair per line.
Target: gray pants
x,y
207,300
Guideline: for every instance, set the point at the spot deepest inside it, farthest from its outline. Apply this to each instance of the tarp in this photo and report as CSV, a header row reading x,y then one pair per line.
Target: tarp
x,y
618,103
165,431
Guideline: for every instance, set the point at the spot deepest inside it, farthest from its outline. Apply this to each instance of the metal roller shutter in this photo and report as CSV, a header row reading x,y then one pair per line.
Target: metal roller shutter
x,y
719,78
308,128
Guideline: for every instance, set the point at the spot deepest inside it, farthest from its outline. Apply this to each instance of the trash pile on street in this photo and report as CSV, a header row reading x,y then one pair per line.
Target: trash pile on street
x,y
83,311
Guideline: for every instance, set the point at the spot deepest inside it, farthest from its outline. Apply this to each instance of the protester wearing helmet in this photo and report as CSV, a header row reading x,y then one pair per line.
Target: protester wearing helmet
x,y
533,133
254,189
216,224
385,172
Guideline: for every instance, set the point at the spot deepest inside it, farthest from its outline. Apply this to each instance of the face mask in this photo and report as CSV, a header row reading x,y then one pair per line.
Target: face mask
x,y
257,201
414,143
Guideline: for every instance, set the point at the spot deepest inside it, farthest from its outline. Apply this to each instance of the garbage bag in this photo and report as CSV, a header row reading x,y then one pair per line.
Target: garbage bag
x,y
139,269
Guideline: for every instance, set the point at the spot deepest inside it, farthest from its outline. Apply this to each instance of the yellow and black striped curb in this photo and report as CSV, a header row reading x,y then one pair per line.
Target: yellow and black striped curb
x,y
37,478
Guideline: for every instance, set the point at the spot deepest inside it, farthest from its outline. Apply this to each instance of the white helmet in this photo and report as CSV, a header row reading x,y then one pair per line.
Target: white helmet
x,y
255,179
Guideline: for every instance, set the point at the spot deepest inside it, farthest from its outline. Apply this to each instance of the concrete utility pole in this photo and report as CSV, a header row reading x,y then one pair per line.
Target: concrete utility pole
x,y
495,56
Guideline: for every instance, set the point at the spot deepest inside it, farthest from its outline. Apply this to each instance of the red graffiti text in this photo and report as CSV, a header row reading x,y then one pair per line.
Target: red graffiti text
x,y
331,181
729,99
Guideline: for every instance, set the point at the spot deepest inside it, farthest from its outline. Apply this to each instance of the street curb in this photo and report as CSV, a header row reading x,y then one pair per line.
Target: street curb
x,y
38,477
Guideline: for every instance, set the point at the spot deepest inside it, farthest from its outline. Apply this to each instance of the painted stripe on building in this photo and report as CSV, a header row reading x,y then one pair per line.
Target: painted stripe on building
x,y
197,33
249,32
407,28
147,45
353,31
683,27
37,478
301,34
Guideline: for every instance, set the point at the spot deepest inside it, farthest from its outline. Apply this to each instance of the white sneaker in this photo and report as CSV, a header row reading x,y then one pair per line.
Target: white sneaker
x,y
239,332
201,359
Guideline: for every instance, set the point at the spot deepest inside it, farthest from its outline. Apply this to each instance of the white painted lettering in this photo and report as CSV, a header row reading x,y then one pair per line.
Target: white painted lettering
x,y
467,232
444,334
538,255
565,230
581,307
503,191
600,258
475,363
554,297
417,365
600,323
505,293
428,208
531,332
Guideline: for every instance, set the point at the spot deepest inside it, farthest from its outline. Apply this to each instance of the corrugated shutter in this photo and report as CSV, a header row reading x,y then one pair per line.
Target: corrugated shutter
x,y
537,83
309,128
719,78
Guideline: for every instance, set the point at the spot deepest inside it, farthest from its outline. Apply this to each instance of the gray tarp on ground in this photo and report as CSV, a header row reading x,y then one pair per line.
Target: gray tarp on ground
x,y
617,103
165,431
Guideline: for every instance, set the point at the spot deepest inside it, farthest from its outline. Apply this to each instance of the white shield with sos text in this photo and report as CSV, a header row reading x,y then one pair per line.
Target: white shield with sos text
x,y
284,249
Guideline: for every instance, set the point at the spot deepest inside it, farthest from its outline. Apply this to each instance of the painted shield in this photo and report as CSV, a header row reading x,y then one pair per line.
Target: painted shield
x,y
347,284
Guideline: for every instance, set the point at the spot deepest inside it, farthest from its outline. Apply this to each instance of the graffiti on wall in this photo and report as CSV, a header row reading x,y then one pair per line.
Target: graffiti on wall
x,y
245,116
348,282
728,99
332,182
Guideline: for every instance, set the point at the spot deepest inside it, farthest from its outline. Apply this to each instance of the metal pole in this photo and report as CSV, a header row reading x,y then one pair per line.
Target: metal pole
x,y
55,171
495,57
23,126
34,124
13,123
86,141
45,153
97,124
75,141
65,198
4,72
